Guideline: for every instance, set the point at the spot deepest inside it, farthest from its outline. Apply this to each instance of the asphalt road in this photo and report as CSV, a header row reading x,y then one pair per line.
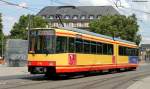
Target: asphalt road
x,y
120,80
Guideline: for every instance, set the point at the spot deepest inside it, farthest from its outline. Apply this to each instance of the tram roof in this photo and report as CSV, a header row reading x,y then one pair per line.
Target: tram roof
x,y
90,33
94,34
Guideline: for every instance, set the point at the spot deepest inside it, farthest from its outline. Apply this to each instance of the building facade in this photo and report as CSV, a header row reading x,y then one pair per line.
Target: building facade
x,y
75,16
145,52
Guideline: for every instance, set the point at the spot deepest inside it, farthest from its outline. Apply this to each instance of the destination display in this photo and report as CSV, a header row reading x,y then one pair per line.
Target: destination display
x,y
46,32
42,32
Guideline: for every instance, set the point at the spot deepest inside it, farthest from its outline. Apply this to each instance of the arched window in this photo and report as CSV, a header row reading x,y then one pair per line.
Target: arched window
x,y
44,16
91,17
51,17
75,17
67,17
98,16
83,17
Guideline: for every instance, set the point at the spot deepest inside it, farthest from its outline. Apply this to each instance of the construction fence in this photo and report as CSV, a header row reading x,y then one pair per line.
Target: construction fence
x,y
16,52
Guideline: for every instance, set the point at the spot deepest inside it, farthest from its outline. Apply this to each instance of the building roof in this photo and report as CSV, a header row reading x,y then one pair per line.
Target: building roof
x,y
78,10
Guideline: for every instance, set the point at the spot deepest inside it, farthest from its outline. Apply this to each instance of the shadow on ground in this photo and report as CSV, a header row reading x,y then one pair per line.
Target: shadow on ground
x,y
68,76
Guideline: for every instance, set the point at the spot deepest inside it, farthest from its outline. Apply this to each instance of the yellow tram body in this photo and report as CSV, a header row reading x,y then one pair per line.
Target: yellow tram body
x,y
82,62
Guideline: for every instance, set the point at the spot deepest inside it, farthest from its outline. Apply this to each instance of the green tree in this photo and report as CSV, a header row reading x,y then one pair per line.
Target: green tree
x,y
19,30
1,34
119,26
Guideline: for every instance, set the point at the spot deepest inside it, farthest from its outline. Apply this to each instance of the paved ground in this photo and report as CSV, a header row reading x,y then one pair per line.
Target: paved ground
x,y
20,79
10,71
142,84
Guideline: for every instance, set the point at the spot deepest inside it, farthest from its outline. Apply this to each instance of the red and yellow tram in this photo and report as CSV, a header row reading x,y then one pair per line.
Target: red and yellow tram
x,y
69,50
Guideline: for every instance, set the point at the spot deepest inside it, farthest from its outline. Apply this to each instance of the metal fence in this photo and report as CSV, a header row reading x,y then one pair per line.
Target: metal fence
x,y
16,52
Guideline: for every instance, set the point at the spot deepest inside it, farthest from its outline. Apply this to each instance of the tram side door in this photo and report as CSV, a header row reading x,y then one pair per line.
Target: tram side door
x,y
115,54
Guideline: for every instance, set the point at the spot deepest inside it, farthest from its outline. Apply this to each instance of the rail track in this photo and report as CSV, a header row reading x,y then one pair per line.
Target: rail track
x,y
108,81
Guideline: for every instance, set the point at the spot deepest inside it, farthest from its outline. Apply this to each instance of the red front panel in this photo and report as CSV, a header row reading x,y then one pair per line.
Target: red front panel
x,y
41,63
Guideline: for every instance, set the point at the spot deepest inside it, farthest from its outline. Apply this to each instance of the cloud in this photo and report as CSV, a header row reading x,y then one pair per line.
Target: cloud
x,y
146,40
145,17
94,2
142,6
23,4
103,2
108,3
8,22
100,2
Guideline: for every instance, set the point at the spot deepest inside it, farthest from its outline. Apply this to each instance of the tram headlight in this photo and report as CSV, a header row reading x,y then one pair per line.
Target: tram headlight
x,y
51,64
29,63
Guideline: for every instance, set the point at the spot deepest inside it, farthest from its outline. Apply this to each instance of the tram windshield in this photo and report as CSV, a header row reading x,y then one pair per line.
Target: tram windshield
x,y
42,41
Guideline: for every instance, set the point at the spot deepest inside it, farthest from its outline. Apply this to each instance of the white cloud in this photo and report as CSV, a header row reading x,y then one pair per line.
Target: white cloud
x,y
145,17
140,8
103,2
8,22
108,3
94,2
100,2
23,4
146,40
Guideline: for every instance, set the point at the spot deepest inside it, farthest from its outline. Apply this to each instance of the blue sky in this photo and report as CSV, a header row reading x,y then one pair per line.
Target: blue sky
x,y
11,13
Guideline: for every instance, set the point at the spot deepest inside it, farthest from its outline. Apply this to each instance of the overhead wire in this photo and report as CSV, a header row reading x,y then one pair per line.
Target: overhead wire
x,y
17,5
139,20
121,6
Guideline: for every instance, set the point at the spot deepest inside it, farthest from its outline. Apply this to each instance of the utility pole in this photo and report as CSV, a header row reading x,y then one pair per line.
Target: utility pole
x,y
2,47
29,28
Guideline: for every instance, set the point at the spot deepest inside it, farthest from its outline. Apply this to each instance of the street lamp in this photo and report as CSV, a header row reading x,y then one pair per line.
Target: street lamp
x,y
2,46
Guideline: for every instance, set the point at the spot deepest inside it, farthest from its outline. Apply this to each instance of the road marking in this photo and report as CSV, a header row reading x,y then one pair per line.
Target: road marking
x,y
3,83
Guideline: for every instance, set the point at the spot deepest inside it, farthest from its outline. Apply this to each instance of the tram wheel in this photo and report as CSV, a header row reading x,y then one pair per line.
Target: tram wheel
x,y
51,73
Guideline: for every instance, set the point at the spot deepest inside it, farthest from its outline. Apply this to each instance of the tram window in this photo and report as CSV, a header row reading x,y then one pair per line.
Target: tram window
x,y
132,52
99,48
32,44
110,49
86,46
125,51
71,45
61,44
104,48
120,50
137,52
79,45
93,47
45,44
129,52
